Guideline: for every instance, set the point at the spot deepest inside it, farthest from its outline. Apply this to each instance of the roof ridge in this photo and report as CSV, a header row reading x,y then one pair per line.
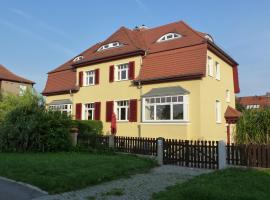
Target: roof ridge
x,y
193,30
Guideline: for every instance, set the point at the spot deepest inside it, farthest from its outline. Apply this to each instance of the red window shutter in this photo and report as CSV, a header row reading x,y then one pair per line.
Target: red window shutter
x,y
133,110
80,79
96,76
131,70
111,74
109,110
97,111
78,111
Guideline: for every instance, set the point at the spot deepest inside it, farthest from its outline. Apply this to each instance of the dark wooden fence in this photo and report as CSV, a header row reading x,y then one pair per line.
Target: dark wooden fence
x,y
93,141
145,146
199,154
251,155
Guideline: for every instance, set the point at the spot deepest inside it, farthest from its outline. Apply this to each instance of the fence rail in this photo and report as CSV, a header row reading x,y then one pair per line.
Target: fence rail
x,y
251,155
199,154
145,146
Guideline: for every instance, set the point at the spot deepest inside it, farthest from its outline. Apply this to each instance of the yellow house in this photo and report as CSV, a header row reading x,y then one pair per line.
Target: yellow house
x,y
170,81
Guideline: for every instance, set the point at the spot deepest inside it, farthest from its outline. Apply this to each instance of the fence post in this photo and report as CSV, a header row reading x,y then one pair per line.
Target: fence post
x,y
221,154
74,134
160,150
111,141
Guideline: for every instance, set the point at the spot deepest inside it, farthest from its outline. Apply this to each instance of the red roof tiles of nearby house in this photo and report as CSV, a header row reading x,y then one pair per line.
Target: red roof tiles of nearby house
x,y
7,75
262,101
178,58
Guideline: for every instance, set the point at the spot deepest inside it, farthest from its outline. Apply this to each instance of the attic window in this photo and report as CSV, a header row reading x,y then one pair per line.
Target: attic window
x,y
78,58
108,46
169,36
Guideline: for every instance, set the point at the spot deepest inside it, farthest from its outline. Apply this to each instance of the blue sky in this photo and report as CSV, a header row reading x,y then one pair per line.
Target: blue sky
x,y
38,36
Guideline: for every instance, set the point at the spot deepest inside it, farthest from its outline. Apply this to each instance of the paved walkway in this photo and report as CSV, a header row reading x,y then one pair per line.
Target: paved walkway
x,y
137,187
11,190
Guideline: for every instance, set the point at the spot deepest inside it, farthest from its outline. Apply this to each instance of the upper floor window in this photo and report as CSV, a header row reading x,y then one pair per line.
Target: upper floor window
x,y
110,45
89,110
63,108
209,66
22,89
90,78
169,36
228,96
78,58
165,108
122,110
218,111
122,72
217,71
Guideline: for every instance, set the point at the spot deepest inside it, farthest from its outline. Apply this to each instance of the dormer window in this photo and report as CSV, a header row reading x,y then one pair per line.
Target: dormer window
x,y
110,45
169,36
78,58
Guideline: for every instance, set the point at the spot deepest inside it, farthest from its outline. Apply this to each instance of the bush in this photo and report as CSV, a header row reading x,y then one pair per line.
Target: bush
x,y
254,126
88,127
30,127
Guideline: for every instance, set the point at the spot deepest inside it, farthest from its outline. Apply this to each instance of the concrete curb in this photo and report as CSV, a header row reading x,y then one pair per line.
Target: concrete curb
x,y
25,184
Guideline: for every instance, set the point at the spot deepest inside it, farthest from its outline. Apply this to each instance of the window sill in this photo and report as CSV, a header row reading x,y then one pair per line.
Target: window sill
x,y
89,85
122,121
166,123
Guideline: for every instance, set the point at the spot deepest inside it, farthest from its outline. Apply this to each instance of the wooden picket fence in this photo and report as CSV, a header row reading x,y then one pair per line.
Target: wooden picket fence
x,y
137,145
93,141
199,154
251,155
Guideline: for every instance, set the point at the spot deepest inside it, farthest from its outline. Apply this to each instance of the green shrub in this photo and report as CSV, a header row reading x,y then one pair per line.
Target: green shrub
x,y
88,127
254,126
28,126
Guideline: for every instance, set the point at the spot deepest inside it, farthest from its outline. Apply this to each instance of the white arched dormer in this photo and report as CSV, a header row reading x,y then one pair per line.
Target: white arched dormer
x,y
109,45
78,58
169,36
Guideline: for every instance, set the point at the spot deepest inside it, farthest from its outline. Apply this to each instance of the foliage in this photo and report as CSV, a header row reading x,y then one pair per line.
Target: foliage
x,y
88,127
28,126
239,106
229,184
61,172
254,126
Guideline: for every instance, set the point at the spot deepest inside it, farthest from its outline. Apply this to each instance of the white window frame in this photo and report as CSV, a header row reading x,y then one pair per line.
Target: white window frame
x,y
169,36
89,74
87,107
228,96
171,103
78,58
109,46
62,108
117,109
119,69
210,66
217,67
218,111
22,89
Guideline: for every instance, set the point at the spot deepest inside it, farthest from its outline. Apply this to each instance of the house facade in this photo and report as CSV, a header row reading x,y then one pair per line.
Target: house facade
x,y
12,83
170,81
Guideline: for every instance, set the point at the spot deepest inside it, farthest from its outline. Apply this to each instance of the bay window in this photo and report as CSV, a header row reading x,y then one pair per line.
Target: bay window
x,y
165,108
63,108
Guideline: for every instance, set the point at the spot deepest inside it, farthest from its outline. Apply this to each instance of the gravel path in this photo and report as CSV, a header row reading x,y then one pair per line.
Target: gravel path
x,y
140,186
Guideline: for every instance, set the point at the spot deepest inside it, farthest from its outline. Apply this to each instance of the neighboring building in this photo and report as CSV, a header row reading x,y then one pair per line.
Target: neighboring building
x,y
12,83
170,81
254,102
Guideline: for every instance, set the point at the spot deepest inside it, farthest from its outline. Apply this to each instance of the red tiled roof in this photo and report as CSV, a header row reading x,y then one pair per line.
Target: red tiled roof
x,y
5,74
232,113
254,100
60,82
179,57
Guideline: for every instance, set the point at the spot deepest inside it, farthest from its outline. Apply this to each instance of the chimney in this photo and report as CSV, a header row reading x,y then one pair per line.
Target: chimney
x,y
267,94
140,28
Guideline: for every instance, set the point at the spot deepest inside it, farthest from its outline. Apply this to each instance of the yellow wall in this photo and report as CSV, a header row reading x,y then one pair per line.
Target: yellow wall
x,y
203,94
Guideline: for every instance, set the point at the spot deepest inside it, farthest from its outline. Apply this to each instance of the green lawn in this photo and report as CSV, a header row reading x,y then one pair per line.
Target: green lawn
x,y
229,184
60,172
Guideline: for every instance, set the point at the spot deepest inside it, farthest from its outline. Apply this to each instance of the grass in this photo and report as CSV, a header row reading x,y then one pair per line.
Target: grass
x,y
229,184
61,172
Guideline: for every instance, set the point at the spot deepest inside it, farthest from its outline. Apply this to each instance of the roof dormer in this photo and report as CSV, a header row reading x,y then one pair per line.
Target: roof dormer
x,y
109,46
169,36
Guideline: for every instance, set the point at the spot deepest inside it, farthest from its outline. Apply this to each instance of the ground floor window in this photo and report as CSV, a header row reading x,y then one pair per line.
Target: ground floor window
x,y
89,110
63,108
165,108
122,110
